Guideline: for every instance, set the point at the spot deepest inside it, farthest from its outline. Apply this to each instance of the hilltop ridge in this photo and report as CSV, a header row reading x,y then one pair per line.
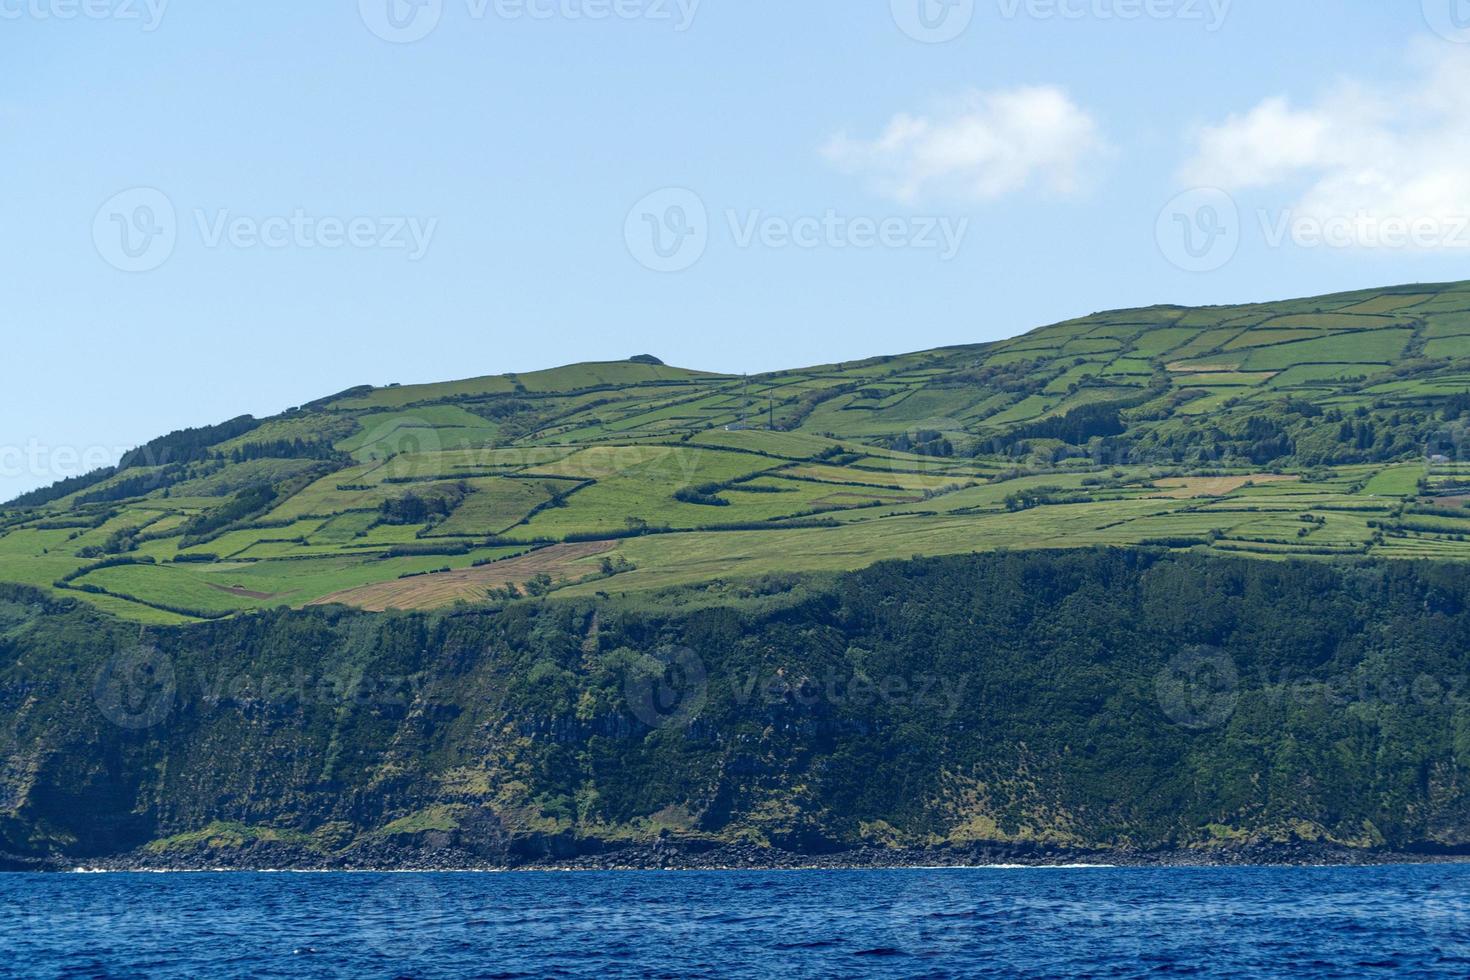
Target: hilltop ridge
x,y
1319,427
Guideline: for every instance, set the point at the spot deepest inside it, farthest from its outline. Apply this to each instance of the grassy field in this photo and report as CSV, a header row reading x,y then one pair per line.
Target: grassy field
x,y
1314,428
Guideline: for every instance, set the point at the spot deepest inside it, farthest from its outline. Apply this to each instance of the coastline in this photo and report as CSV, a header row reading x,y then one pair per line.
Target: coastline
x,y
676,857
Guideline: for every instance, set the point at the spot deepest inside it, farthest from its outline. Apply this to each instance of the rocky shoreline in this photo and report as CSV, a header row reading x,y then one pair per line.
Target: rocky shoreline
x,y
682,856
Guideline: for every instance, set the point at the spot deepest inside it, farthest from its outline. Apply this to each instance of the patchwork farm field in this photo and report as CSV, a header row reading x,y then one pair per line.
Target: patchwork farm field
x,y
1323,429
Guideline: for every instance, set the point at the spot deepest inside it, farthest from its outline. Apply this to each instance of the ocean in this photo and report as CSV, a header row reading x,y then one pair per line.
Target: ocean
x,y
994,922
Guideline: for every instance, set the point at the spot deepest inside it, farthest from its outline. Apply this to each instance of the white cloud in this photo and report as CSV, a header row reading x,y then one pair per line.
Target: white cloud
x,y
985,146
1271,142
1372,154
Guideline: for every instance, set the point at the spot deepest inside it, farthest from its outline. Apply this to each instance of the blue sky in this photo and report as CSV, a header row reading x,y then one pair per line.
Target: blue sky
x,y
315,196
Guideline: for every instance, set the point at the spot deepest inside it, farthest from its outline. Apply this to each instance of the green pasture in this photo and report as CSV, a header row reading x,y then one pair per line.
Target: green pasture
x,y
1347,393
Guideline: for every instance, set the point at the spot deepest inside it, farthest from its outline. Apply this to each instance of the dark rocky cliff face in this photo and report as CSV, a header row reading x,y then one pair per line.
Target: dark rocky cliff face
x,y
1030,702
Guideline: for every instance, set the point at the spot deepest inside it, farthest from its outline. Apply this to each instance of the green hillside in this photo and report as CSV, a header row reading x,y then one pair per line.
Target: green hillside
x,y
1312,428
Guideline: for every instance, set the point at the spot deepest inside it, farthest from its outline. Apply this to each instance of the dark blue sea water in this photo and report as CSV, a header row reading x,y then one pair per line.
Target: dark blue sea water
x,y
1397,921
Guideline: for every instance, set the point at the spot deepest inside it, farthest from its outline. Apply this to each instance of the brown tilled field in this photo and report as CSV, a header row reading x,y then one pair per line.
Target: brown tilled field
x,y
1215,486
562,561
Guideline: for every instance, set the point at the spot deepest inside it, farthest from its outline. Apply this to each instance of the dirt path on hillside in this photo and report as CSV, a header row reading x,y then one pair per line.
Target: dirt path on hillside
x,y
470,584
241,592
